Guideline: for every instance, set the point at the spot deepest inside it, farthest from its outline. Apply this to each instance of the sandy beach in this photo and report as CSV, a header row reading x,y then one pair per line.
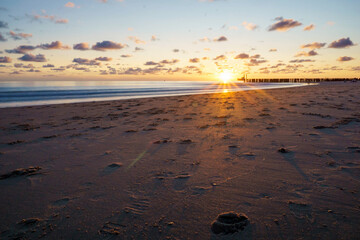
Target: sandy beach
x,y
165,168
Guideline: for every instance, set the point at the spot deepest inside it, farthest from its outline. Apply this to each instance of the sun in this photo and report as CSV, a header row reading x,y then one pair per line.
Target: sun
x,y
225,76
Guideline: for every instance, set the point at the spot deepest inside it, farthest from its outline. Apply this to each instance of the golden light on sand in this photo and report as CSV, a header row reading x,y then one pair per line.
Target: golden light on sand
x,y
226,76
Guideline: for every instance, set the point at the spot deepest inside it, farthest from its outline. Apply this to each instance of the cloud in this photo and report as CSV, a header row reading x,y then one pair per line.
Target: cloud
x,y
306,54
107,45
309,28
161,63
3,24
255,62
151,63
220,58
28,66
126,56
136,40
344,59
273,50
173,61
132,71
48,66
250,26
154,38
5,59
220,39
26,48
301,60
342,43
278,65
84,61
242,56
205,39
69,5
104,59
52,18
314,45
33,58
81,46
53,45
283,25
138,49
21,49
194,60
355,68
33,70
61,21
2,39
19,36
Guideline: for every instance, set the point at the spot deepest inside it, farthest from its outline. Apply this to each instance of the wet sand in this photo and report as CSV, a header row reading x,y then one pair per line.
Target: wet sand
x,y
165,168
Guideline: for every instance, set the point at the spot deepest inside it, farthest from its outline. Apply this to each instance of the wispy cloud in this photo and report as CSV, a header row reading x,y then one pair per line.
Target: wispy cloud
x,y
314,45
51,18
22,49
309,27
136,40
19,36
250,26
301,60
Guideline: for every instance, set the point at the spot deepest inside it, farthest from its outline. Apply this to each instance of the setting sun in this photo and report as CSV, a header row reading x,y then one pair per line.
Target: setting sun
x,y
225,77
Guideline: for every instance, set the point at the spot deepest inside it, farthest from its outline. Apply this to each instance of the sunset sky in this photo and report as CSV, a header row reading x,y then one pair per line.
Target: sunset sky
x,y
178,39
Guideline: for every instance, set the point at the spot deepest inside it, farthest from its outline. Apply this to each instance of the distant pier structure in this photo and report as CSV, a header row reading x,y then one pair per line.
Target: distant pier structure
x,y
296,80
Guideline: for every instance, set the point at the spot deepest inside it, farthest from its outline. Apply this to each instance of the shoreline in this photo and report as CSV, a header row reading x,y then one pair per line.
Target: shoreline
x,y
117,98
165,168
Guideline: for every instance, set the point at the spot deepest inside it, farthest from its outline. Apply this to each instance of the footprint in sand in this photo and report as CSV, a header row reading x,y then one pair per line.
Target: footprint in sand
x,y
301,210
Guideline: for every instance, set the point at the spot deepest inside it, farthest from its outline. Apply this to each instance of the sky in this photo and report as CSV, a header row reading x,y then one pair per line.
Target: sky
x,y
178,39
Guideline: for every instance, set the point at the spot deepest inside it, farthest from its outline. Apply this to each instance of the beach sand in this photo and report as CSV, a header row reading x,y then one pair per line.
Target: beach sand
x,y
165,168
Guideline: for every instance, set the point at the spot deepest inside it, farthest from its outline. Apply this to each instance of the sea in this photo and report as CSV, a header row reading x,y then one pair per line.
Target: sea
x,y
33,93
